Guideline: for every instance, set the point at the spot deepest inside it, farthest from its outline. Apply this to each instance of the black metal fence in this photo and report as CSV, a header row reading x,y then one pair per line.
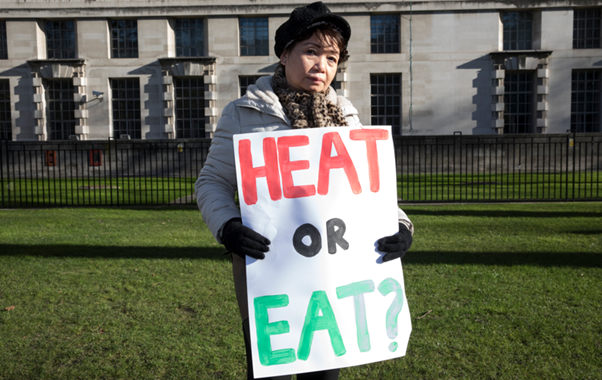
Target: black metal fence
x,y
100,173
534,167
457,168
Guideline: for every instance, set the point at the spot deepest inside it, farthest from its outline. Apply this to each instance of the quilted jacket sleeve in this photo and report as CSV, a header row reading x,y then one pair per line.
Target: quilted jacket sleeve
x,y
216,184
403,218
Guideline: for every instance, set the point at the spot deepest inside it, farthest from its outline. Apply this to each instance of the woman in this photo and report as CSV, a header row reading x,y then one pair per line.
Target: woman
x,y
310,46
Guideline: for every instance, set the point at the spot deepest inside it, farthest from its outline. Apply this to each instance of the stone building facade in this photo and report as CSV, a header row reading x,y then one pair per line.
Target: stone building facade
x,y
155,69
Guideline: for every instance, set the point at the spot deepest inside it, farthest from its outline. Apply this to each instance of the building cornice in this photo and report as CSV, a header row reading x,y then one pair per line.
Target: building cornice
x,y
181,8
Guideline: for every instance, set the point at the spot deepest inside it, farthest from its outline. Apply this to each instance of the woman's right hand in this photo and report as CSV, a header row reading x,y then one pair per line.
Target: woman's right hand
x,y
243,241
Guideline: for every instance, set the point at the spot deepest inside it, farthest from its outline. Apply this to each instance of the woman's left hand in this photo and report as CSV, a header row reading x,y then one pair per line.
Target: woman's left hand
x,y
395,246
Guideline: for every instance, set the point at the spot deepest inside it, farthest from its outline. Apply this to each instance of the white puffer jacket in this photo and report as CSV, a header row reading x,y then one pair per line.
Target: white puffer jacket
x,y
258,111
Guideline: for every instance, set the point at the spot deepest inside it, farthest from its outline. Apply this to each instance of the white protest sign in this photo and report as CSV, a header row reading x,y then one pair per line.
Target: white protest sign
x,y
322,298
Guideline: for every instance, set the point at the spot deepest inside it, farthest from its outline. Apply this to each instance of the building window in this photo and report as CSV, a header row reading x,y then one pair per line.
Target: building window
x,y
124,39
586,100
586,29
518,100
518,30
384,34
5,120
189,37
60,106
190,107
254,36
246,81
385,100
126,107
60,39
3,47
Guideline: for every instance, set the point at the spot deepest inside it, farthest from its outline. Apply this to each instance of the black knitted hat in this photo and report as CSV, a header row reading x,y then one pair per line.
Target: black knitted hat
x,y
303,18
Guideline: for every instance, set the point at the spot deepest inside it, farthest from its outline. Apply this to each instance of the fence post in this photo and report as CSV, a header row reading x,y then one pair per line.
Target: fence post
x,y
569,141
2,150
574,157
457,183
108,162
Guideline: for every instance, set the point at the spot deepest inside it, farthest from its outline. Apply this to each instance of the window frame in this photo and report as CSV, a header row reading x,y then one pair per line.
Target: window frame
x,y
581,42
513,44
531,96
6,124
595,101
62,51
180,49
384,118
60,115
3,40
395,45
186,115
258,41
240,84
124,51
136,110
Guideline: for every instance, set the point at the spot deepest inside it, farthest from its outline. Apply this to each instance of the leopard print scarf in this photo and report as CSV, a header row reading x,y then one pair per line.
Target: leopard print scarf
x,y
306,110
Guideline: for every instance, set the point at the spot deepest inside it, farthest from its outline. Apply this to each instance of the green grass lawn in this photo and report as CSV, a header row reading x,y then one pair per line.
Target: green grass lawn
x,y
503,187
505,291
99,191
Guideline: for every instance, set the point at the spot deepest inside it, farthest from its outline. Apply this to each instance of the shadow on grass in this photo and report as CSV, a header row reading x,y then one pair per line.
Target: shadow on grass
x,y
414,257
542,259
202,253
589,232
505,214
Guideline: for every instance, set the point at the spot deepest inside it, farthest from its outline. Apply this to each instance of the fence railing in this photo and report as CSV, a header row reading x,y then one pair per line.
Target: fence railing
x,y
100,173
536,167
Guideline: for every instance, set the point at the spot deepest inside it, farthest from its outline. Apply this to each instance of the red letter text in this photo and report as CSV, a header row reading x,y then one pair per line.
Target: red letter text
x,y
370,136
287,166
342,160
249,174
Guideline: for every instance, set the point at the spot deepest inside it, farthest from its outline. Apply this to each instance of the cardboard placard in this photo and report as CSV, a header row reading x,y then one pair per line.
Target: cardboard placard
x,y
322,298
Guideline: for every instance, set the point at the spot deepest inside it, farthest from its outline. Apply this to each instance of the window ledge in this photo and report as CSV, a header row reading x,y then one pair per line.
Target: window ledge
x,y
64,61
175,60
515,53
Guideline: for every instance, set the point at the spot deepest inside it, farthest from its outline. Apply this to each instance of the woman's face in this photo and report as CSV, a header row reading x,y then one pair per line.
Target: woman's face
x,y
310,65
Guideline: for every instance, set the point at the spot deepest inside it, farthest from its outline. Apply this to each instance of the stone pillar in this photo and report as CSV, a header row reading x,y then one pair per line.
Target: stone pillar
x,y
168,105
39,107
210,82
542,96
497,97
80,83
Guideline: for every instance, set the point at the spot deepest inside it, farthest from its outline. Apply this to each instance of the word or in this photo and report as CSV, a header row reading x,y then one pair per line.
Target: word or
x,y
320,316
278,166
335,229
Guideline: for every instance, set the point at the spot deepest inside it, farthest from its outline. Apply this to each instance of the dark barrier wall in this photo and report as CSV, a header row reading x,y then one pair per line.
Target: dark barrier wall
x,y
560,152
66,159
434,169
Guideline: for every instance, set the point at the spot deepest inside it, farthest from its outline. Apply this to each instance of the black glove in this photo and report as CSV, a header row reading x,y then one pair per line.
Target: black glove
x,y
243,241
396,245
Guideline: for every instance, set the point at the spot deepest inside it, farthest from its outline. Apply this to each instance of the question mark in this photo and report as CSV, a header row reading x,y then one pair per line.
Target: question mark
x,y
387,286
